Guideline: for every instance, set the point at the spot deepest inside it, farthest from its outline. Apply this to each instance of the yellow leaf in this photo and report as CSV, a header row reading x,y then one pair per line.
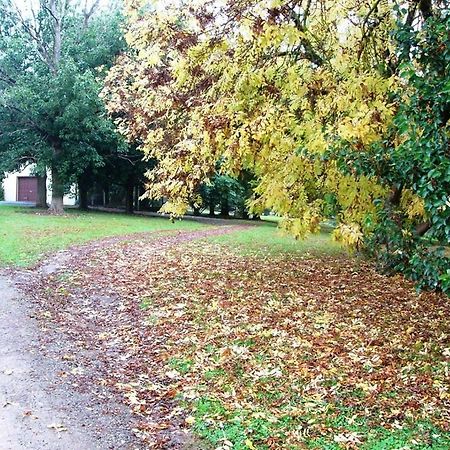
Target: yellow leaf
x,y
249,444
190,420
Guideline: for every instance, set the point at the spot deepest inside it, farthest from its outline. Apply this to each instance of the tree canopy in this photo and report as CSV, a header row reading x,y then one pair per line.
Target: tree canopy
x,y
51,62
337,107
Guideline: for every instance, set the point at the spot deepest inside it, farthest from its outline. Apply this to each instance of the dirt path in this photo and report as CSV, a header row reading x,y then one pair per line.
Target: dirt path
x,y
41,405
38,410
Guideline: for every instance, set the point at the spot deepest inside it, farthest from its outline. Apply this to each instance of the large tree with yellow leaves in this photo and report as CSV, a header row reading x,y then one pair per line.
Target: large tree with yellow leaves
x,y
323,100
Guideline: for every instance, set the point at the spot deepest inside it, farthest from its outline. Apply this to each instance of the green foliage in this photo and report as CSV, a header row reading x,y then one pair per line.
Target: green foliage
x,y
225,192
50,110
420,165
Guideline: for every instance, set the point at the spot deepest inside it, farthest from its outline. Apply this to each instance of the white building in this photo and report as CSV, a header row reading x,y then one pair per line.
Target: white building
x,y
23,187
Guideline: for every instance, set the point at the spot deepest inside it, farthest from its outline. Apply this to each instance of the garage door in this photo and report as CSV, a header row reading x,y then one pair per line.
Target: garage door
x,y
27,188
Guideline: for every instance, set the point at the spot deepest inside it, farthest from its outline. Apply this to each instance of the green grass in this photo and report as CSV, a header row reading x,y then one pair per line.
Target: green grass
x,y
181,365
416,436
26,234
266,239
343,427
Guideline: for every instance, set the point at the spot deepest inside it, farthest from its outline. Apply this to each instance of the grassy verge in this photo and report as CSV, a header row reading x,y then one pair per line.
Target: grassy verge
x,y
266,239
27,233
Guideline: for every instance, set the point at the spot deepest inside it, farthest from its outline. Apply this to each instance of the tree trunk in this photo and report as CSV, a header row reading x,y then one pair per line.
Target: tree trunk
x,y
396,195
129,199
224,207
244,213
212,207
422,228
84,182
57,34
83,192
106,195
57,206
136,198
42,192
145,202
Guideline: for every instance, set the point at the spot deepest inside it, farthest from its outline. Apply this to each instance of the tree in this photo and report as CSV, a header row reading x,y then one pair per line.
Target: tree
x,y
51,60
225,192
310,97
125,169
414,224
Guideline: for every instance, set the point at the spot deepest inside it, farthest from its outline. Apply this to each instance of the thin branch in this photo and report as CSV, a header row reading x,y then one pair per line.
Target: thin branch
x,y
88,13
51,10
6,78
28,119
367,30
34,33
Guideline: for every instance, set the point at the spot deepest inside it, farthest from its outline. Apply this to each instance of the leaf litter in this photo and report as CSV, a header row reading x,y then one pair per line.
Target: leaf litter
x,y
289,350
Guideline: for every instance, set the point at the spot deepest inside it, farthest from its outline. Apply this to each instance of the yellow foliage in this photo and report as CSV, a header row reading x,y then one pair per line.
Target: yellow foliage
x,y
413,205
262,94
351,234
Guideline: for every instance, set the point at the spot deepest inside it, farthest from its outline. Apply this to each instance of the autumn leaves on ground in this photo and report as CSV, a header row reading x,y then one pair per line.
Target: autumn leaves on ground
x,y
210,334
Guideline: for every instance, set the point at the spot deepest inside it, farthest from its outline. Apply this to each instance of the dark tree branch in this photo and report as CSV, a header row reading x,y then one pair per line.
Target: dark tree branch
x,y
35,35
367,30
6,78
87,13
426,9
27,119
396,195
422,228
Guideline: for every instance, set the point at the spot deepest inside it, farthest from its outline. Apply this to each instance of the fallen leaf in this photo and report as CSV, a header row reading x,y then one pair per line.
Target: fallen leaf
x,y
59,427
190,420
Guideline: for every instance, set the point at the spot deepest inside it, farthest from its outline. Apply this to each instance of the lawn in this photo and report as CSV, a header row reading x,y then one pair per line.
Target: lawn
x,y
26,234
266,239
